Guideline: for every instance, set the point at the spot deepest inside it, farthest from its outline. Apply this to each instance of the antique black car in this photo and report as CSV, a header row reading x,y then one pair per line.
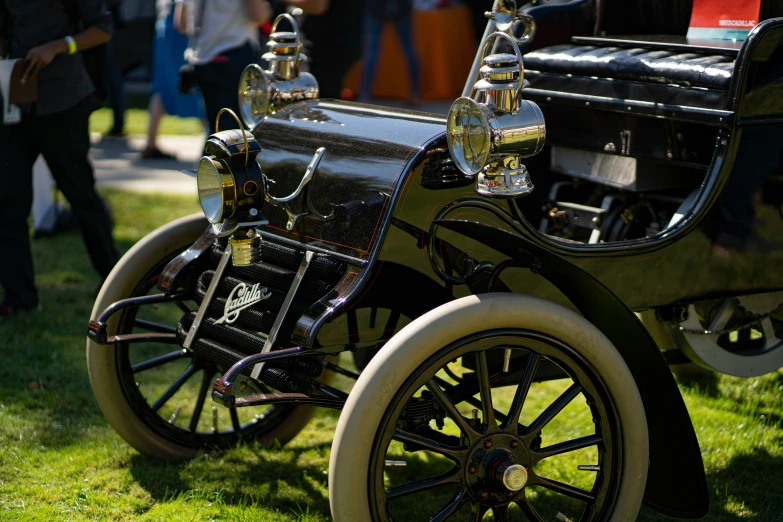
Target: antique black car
x,y
510,345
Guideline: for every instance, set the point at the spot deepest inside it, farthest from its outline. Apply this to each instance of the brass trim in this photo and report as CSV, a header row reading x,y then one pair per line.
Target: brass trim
x,y
241,127
252,184
245,251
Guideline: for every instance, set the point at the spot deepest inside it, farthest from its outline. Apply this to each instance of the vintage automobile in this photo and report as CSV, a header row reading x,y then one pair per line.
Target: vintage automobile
x,y
512,344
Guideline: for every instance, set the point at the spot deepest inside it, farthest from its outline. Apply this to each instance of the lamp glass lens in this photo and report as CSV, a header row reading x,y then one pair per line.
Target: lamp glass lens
x,y
468,136
253,95
210,190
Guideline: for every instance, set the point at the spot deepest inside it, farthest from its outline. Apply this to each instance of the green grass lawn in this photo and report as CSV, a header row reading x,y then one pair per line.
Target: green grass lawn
x,y
60,460
136,121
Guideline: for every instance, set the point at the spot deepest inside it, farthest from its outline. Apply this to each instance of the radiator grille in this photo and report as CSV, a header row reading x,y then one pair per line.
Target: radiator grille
x,y
228,343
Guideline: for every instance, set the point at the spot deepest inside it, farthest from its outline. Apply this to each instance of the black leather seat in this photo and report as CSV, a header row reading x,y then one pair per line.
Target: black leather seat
x,y
634,64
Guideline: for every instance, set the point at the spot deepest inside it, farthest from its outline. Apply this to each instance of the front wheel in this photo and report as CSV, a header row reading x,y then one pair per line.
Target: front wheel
x,y
493,403
156,396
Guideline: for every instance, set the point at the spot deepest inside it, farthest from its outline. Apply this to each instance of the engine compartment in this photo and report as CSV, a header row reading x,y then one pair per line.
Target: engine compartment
x,y
609,177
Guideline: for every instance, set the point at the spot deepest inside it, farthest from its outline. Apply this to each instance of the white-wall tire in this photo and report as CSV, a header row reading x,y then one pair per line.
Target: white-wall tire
x,y
409,349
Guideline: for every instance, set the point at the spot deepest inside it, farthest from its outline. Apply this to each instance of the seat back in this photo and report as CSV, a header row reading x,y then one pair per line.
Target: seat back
x,y
637,17
771,9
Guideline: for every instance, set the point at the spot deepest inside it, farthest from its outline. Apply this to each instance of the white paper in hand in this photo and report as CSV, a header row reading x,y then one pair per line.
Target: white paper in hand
x,y
11,113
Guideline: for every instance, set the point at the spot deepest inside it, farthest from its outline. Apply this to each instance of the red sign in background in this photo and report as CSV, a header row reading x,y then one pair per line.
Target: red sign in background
x,y
723,18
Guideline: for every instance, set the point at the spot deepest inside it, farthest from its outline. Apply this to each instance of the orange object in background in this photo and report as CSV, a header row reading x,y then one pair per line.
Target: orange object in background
x,y
445,46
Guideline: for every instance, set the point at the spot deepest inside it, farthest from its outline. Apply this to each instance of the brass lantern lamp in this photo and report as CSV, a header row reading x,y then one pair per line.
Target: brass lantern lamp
x,y
263,92
492,129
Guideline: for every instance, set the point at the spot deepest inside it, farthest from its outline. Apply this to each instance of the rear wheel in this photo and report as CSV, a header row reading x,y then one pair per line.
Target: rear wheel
x,y
157,395
448,421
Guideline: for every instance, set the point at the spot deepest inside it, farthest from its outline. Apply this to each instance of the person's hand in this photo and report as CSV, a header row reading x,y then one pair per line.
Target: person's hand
x,y
41,56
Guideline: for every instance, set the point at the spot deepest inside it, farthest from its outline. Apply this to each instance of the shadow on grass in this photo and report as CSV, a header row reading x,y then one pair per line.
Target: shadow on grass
x,y
746,489
742,490
282,479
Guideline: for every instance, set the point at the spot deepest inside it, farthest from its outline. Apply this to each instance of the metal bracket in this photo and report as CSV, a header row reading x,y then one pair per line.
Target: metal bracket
x,y
208,297
303,190
272,337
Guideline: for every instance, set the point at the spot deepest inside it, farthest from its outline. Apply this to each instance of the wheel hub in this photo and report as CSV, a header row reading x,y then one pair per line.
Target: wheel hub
x,y
497,468
514,476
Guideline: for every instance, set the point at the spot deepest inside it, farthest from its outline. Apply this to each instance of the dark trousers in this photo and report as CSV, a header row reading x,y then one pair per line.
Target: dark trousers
x,y
63,139
116,92
218,81
330,70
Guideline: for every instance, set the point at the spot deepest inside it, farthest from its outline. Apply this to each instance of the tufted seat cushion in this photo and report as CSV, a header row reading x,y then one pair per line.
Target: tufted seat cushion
x,y
634,64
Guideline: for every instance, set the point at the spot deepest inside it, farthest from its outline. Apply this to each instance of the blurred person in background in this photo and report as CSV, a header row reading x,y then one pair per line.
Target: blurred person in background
x,y
332,30
56,126
116,82
168,58
399,12
223,41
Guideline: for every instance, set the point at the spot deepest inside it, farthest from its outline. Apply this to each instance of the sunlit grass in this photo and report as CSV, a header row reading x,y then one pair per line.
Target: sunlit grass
x,y
137,120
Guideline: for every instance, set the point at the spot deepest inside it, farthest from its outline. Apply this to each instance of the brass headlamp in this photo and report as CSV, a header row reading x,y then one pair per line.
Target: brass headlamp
x,y
231,189
488,138
263,92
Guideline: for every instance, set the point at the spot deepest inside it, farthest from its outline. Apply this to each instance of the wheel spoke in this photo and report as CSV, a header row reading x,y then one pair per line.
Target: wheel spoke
x,y
724,314
485,391
154,327
456,502
182,305
451,409
391,322
458,392
234,420
564,489
565,447
353,326
521,394
206,381
552,411
409,438
500,513
158,361
175,386
452,477
477,512
529,511
768,330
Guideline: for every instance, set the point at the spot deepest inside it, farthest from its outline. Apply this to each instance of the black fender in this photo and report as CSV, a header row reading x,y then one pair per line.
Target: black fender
x,y
676,483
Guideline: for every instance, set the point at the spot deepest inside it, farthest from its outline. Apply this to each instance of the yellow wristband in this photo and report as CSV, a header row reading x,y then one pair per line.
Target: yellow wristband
x,y
71,45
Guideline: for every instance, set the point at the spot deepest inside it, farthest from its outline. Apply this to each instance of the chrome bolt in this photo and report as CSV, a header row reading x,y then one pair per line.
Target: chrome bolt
x,y
487,444
472,470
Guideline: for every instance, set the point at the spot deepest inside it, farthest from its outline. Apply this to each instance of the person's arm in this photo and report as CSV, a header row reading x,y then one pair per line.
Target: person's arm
x,y
258,10
311,7
181,13
5,31
98,23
